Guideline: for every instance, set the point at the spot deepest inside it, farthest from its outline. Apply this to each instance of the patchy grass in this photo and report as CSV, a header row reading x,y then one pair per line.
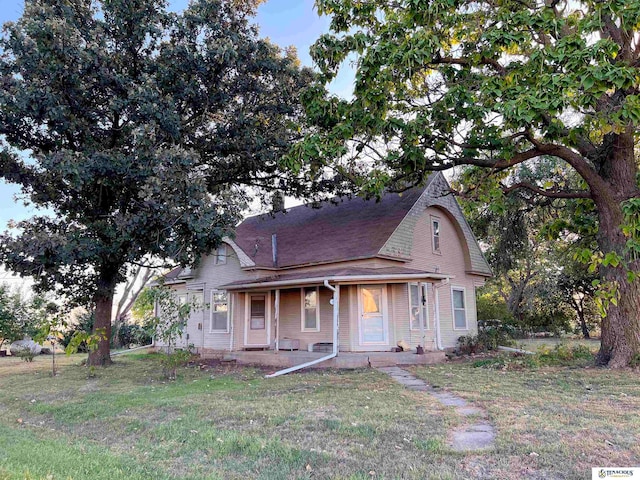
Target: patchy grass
x,y
226,422
231,423
533,344
551,422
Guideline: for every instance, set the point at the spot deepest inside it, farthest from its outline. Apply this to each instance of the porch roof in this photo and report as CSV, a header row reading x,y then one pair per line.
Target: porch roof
x,y
340,275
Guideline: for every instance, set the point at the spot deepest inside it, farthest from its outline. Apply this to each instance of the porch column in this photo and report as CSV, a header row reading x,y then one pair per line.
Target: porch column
x,y
421,314
277,315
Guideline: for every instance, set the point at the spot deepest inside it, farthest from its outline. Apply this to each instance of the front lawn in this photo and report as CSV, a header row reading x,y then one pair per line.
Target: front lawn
x,y
228,422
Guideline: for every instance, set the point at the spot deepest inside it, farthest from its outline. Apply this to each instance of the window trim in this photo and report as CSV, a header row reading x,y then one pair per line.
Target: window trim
x,y
211,310
303,310
437,251
453,308
426,306
216,255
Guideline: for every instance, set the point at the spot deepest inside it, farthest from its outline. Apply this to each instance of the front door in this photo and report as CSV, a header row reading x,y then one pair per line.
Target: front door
x,y
257,320
374,329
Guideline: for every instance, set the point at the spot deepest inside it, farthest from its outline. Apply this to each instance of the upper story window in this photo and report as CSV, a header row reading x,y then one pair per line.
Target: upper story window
x,y
459,308
435,234
310,310
220,255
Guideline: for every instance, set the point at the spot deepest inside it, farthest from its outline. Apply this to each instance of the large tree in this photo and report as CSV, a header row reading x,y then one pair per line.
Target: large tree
x,y
494,84
139,132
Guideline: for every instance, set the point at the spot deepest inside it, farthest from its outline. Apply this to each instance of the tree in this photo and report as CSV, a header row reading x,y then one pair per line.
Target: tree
x,y
441,83
132,289
531,245
24,316
142,131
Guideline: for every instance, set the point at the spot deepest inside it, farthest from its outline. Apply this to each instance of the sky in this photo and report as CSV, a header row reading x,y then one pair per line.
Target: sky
x,y
284,22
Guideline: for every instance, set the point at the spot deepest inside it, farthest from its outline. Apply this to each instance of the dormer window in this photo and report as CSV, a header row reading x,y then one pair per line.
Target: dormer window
x,y
435,234
220,255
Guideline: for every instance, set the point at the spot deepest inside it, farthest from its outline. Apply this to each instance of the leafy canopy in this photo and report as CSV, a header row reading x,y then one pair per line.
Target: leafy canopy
x,y
143,132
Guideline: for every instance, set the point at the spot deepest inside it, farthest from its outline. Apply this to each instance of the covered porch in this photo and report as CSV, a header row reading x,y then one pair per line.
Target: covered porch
x,y
347,310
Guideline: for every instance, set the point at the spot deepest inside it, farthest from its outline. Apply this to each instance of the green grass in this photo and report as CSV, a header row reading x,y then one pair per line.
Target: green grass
x,y
551,422
231,423
532,344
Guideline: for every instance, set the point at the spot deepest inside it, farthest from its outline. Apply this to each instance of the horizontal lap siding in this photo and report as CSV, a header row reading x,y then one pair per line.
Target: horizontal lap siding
x,y
291,313
214,276
450,261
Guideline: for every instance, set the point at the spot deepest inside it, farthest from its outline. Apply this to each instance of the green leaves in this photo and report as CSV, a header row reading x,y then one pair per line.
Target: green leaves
x,y
148,132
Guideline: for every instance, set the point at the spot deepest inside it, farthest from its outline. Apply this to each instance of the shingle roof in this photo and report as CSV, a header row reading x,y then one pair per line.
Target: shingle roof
x,y
344,229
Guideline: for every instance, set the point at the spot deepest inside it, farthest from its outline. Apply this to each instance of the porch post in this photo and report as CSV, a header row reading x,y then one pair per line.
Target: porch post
x,y
277,314
336,319
421,314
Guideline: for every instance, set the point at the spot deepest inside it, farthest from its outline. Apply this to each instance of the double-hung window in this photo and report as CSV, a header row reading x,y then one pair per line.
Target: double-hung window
x,y
417,301
459,308
435,234
219,311
310,310
220,255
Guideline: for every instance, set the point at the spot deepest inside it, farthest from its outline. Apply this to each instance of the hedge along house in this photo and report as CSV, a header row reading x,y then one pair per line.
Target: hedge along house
x,y
355,276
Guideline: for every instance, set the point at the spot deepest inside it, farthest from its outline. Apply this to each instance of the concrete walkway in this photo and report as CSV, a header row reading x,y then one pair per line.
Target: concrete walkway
x,y
475,434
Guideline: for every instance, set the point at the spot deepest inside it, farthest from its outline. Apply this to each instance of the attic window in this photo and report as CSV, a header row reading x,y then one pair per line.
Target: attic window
x,y
220,255
435,234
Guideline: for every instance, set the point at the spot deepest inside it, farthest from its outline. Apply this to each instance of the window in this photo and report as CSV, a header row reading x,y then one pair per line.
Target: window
x,y
415,302
435,232
310,310
220,255
219,311
258,312
459,309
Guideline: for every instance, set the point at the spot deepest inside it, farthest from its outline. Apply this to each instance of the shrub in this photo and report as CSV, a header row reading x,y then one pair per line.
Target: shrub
x,y
171,361
84,326
492,337
488,338
561,355
133,334
27,354
565,355
468,344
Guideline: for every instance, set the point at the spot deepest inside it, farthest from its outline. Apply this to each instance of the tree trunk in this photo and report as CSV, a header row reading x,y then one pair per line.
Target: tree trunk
x,y
620,341
583,324
103,304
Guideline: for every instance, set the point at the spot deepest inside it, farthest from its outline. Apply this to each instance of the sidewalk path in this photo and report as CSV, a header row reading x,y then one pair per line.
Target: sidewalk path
x,y
475,434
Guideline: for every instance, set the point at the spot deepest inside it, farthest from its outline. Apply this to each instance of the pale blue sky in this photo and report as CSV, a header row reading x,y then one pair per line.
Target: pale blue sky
x,y
285,22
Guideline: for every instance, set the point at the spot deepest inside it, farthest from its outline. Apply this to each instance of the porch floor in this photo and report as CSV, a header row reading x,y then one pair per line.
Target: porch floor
x,y
285,359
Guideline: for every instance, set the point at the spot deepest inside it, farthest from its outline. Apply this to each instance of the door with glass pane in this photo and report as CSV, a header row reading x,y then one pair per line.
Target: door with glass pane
x,y
373,316
257,320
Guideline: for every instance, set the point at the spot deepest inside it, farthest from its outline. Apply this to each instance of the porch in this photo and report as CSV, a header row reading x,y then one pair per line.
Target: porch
x,y
347,360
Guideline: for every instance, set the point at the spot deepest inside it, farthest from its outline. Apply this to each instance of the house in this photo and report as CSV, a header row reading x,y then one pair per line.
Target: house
x,y
355,276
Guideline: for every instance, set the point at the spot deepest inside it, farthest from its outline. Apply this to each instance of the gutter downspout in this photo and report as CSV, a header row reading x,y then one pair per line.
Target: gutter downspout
x,y
334,353
437,311
231,312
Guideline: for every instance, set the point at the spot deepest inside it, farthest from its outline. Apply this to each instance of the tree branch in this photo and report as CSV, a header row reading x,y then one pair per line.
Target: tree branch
x,y
545,193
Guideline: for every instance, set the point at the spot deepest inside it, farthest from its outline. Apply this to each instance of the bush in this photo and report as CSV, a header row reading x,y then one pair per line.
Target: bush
x,y
133,334
561,355
171,361
27,354
84,325
509,362
488,338
564,355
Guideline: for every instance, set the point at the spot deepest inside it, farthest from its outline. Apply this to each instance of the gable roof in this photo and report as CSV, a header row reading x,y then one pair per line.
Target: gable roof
x,y
343,229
